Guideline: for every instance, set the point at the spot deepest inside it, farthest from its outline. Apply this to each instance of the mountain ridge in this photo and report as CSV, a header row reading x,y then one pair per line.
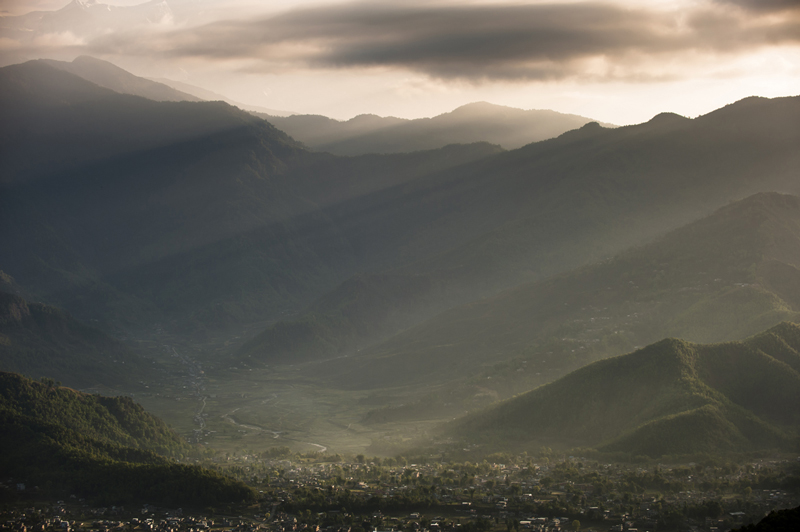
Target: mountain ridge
x,y
630,403
175,184
110,76
478,121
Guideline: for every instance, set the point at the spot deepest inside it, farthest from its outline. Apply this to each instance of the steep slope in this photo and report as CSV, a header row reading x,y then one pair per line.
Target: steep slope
x,y
672,397
39,340
67,442
724,277
476,122
198,215
55,121
84,165
543,209
112,77
114,420
123,209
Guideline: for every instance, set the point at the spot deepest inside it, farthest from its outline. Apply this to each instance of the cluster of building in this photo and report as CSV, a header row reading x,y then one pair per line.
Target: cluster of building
x,y
368,495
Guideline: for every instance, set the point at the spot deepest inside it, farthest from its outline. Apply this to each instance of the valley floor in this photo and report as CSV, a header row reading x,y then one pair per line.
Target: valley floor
x,y
236,409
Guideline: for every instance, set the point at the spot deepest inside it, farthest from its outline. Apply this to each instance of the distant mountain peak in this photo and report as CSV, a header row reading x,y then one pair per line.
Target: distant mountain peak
x,y
90,59
668,118
481,105
366,118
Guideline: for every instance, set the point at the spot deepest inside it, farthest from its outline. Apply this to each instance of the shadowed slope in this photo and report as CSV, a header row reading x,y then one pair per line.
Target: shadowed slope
x,y
42,341
128,210
102,448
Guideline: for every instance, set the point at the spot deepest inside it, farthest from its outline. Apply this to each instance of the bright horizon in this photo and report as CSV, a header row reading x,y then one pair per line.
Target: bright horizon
x,y
621,62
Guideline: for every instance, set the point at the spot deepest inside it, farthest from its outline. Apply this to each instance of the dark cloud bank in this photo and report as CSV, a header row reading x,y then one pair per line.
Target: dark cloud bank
x,y
449,41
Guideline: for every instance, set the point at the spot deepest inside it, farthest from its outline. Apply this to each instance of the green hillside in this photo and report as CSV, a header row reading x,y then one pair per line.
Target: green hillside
x,y
42,341
115,420
107,449
672,397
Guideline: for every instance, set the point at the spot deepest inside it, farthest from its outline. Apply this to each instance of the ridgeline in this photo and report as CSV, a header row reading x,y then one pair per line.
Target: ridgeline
x,y
670,398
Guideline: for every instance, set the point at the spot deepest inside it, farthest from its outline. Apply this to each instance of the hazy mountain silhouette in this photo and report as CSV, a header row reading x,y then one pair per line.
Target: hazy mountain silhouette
x,y
112,77
210,96
118,207
125,209
476,122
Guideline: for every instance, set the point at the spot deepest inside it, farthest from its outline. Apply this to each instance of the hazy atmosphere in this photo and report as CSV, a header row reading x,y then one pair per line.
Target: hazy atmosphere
x,y
400,266
620,62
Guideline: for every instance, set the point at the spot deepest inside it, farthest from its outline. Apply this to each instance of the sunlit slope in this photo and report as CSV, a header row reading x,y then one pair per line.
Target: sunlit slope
x,y
106,449
672,397
547,208
724,277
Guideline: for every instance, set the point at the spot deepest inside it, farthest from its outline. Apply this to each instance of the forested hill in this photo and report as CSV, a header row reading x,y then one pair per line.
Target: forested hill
x,y
107,449
114,420
670,398
42,341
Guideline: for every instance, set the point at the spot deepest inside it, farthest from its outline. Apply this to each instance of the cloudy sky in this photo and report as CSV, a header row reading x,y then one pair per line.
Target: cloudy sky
x,y
617,61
